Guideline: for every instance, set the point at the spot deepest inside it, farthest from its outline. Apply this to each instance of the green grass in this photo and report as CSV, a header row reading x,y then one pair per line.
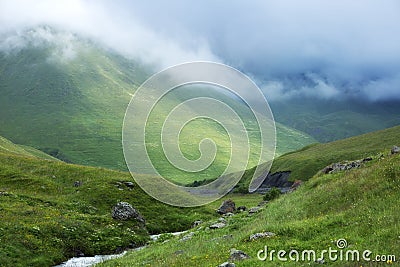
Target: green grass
x,y
360,205
73,109
306,162
45,219
6,146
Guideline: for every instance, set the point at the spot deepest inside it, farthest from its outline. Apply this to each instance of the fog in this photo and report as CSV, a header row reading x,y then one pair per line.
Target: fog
x,y
323,49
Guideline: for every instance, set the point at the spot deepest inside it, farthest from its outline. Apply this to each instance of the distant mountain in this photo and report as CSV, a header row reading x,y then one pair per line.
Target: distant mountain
x,y
334,119
67,96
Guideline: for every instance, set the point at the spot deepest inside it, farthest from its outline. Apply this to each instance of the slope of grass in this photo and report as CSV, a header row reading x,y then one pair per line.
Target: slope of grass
x,y
6,146
45,218
306,162
73,107
360,206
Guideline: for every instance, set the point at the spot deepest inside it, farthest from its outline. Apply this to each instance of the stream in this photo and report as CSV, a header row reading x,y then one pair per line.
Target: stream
x,y
90,261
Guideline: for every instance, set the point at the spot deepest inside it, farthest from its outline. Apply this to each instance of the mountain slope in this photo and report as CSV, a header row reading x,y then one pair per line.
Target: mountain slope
x,y
306,162
51,211
359,206
334,119
6,146
67,96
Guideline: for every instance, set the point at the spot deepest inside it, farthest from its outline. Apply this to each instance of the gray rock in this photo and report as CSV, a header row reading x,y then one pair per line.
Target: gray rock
x,y
237,255
227,264
395,150
196,223
129,184
241,208
78,183
254,210
227,206
222,220
124,211
229,214
261,235
217,225
187,237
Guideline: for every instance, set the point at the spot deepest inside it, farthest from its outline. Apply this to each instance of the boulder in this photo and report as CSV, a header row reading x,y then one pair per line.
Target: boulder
x,y
254,210
124,211
196,223
395,150
237,255
129,184
241,208
218,225
227,206
261,235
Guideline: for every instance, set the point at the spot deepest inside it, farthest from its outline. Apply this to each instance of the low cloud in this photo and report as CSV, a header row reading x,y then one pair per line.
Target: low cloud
x,y
323,49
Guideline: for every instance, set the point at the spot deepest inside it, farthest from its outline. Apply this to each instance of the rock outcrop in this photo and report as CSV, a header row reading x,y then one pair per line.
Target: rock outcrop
x,y
227,206
124,211
395,150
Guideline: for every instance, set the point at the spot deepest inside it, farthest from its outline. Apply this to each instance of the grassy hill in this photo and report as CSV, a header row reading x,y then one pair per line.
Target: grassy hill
x,y
360,206
6,146
306,162
67,96
46,217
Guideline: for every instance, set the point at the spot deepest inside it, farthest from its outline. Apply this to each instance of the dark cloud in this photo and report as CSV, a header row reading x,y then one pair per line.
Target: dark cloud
x,y
327,49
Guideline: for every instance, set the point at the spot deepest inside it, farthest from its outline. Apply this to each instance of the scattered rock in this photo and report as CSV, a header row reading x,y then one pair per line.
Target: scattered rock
x,y
343,166
3,193
229,214
241,208
254,210
222,220
367,159
227,264
124,211
320,261
129,184
395,150
196,223
261,235
78,183
237,255
227,206
217,225
187,237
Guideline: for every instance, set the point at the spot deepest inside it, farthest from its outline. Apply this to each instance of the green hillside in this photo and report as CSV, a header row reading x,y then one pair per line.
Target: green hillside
x,y
6,146
68,99
51,211
306,162
360,206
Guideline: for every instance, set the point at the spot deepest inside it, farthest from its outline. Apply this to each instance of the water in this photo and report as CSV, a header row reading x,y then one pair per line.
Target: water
x,y
89,261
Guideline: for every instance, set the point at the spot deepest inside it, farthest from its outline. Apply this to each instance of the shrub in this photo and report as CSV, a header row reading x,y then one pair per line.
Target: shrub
x,y
272,194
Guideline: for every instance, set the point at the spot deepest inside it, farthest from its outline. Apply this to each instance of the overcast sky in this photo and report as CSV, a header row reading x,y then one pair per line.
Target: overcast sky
x,y
328,49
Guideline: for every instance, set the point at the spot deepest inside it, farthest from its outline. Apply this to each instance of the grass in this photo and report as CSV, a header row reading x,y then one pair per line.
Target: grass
x,y
73,108
306,162
360,205
45,219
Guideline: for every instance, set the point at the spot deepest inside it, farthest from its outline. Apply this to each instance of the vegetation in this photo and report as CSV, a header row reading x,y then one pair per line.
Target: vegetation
x,y
358,205
306,162
46,218
73,108
272,194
